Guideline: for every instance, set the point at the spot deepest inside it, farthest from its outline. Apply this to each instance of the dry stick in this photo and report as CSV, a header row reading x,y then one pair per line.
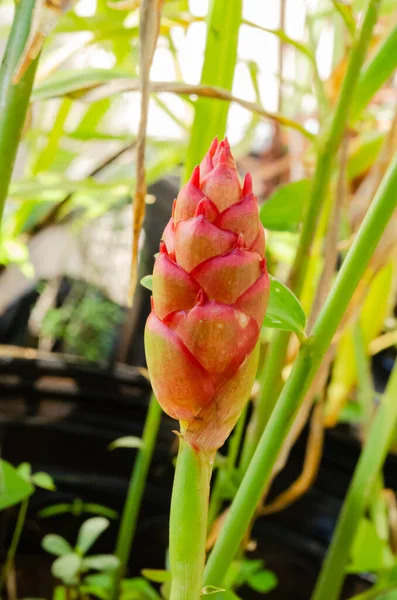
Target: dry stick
x,y
314,450
391,502
100,91
281,46
149,28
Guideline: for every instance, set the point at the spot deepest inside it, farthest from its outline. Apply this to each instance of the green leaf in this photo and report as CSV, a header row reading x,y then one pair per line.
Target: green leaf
x,y
13,488
284,209
67,567
147,282
369,552
223,24
25,471
56,544
129,441
284,310
89,532
98,509
138,589
157,575
101,562
364,150
44,481
263,582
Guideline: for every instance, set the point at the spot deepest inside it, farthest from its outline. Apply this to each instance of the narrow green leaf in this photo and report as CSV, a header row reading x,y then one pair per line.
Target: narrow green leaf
x,y
44,481
66,567
223,23
284,209
147,282
375,73
13,488
157,575
56,544
89,532
75,81
101,562
129,441
284,310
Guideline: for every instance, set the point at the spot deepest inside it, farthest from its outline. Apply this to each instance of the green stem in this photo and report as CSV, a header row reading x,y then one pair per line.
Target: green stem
x,y
309,359
328,148
371,460
188,522
135,492
14,542
14,99
225,471
270,387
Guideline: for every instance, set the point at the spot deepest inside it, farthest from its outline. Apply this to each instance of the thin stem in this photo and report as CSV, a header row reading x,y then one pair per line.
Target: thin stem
x,y
14,542
330,144
188,522
328,148
367,470
135,492
14,99
309,360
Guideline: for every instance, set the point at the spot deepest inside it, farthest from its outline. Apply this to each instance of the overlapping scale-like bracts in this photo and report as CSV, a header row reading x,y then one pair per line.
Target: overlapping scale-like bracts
x,y
210,292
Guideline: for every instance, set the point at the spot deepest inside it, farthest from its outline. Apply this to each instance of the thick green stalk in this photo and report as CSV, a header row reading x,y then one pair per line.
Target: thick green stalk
x,y
270,387
135,492
188,522
14,99
361,487
309,359
223,24
328,148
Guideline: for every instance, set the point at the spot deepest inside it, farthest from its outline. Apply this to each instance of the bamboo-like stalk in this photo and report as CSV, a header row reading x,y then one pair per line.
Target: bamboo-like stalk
x,y
367,470
188,521
309,360
328,148
14,99
135,492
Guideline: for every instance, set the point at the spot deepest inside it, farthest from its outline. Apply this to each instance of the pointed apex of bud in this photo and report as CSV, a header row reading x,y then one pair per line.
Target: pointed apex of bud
x,y
201,298
195,178
247,185
223,155
240,241
206,164
207,209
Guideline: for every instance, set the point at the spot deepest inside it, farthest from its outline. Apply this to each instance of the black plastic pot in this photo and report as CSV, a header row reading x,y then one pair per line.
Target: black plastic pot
x,y
62,416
